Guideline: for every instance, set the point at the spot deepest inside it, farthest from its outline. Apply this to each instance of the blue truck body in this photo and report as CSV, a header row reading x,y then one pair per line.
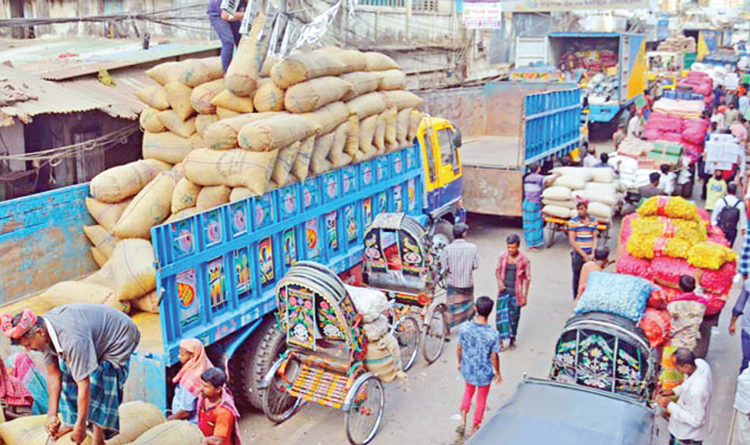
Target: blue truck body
x,y
216,271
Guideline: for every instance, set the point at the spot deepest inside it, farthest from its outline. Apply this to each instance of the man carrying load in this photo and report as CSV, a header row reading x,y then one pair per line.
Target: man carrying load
x,y
87,350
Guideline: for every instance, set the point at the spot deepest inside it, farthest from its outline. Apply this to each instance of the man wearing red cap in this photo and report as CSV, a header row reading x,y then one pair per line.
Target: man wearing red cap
x,y
87,350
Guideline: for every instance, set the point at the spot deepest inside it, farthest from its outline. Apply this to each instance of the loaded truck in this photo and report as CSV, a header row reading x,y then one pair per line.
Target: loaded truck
x,y
216,271
507,126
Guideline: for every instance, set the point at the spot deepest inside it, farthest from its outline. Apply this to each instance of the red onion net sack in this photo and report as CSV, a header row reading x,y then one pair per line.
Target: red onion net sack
x,y
627,227
715,304
695,131
658,298
657,326
669,294
664,123
699,74
704,215
719,281
667,271
716,235
671,137
630,265
652,134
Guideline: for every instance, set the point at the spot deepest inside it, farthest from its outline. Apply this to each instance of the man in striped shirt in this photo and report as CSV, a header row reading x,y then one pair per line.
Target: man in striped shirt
x,y
582,238
459,260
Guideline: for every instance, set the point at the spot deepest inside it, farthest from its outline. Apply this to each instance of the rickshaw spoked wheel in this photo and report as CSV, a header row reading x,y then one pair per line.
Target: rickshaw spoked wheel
x,y
364,417
407,334
435,333
278,404
550,230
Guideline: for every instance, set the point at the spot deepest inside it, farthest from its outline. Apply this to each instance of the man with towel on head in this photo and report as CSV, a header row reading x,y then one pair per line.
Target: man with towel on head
x,y
87,350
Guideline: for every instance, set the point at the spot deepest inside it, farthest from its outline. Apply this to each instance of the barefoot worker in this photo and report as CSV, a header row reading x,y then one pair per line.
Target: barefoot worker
x,y
87,350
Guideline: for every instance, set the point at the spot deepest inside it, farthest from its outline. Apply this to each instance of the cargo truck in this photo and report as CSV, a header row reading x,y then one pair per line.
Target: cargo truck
x,y
507,126
216,271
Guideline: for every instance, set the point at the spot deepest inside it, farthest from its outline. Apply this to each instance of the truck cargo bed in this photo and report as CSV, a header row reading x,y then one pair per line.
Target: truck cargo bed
x,y
492,175
491,151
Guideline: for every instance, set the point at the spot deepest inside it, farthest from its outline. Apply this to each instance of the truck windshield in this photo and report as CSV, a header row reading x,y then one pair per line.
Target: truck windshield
x,y
447,150
430,157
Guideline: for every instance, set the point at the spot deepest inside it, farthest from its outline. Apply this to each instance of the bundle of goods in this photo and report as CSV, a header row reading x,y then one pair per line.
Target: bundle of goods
x,y
211,138
594,60
678,44
383,354
700,82
618,294
632,175
596,185
677,122
601,89
716,74
634,147
679,107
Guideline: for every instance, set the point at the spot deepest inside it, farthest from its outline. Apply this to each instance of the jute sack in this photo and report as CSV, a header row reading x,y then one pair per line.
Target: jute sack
x,y
284,163
381,361
302,162
165,72
244,70
214,196
100,237
99,258
275,132
345,159
329,117
172,121
191,72
185,195
392,80
222,135
362,82
133,273
366,105
402,126
367,129
105,214
150,207
167,147
179,168
173,432
179,99
154,96
379,138
240,193
352,59
118,183
380,62
390,127
225,113
351,147
310,95
269,97
147,303
203,94
202,121
30,430
233,168
271,60
136,417
560,212
67,292
182,214
149,120
365,155
299,68
319,162
402,99
226,99
414,120
340,135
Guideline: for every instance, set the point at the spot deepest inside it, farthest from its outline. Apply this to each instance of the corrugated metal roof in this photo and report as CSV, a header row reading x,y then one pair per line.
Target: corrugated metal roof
x,y
67,59
121,98
50,98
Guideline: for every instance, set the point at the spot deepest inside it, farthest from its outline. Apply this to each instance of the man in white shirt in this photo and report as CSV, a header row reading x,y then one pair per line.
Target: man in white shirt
x,y
739,221
590,160
689,416
667,180
634,126
742,406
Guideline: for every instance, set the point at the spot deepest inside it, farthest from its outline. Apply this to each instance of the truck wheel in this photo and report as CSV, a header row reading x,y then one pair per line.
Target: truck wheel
x,y
254,359
443,235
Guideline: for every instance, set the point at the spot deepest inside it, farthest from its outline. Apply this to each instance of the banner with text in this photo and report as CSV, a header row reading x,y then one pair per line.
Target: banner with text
x,y
486,14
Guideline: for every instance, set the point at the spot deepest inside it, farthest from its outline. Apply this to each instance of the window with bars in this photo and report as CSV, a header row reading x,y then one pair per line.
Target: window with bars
x,y
383,3
425,5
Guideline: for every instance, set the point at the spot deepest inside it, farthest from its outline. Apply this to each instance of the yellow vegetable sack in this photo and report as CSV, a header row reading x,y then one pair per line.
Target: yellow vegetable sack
x,y
690,231
710,255
671,206
647,247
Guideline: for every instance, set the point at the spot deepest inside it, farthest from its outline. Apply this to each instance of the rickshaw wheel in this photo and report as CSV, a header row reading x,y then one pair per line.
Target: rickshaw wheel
x,y
407,334
434,337
549,234
278,404
364,417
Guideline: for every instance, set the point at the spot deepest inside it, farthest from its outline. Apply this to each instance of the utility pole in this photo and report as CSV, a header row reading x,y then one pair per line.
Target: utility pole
x,y
16,12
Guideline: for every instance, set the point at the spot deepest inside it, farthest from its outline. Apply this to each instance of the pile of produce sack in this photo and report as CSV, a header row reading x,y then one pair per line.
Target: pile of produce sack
x,y
677,44
597,185
678,121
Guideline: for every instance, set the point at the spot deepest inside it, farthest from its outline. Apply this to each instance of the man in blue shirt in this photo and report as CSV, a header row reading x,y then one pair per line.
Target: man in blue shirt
x,y
741,309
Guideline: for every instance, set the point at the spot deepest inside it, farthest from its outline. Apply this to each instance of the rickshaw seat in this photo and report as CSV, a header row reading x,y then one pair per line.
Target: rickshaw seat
x,y
323,359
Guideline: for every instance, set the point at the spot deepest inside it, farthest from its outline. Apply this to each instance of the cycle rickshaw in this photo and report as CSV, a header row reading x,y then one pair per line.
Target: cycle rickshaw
x,y
325,359
399,260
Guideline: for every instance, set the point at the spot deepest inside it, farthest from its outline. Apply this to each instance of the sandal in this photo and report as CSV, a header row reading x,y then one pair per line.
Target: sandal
x,y
461,429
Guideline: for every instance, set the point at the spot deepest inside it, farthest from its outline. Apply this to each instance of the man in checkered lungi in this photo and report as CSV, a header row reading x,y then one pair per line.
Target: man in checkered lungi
x,y
87,350
459,260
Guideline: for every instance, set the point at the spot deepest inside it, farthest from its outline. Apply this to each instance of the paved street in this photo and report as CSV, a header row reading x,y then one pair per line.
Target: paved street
x,y
424,409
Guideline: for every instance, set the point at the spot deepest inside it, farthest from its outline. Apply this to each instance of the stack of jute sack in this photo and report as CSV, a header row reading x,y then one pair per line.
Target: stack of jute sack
x,y
678,44
383,352
596,185
211,138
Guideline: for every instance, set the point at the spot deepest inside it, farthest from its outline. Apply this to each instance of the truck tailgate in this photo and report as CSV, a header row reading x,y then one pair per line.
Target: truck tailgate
x,y
492,178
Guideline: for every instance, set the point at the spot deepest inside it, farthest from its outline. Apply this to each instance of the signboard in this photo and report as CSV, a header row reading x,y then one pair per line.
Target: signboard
x,y
662,29
482,16
462,6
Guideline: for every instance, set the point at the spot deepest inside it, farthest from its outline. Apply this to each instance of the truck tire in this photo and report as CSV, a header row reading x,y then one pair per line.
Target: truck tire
x,y
443,235
253,361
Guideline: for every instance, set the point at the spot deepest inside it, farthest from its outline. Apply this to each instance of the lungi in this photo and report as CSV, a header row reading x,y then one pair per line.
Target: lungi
x,y
107,383
744,266
743,428
460,305
675,441
507,315
533,223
